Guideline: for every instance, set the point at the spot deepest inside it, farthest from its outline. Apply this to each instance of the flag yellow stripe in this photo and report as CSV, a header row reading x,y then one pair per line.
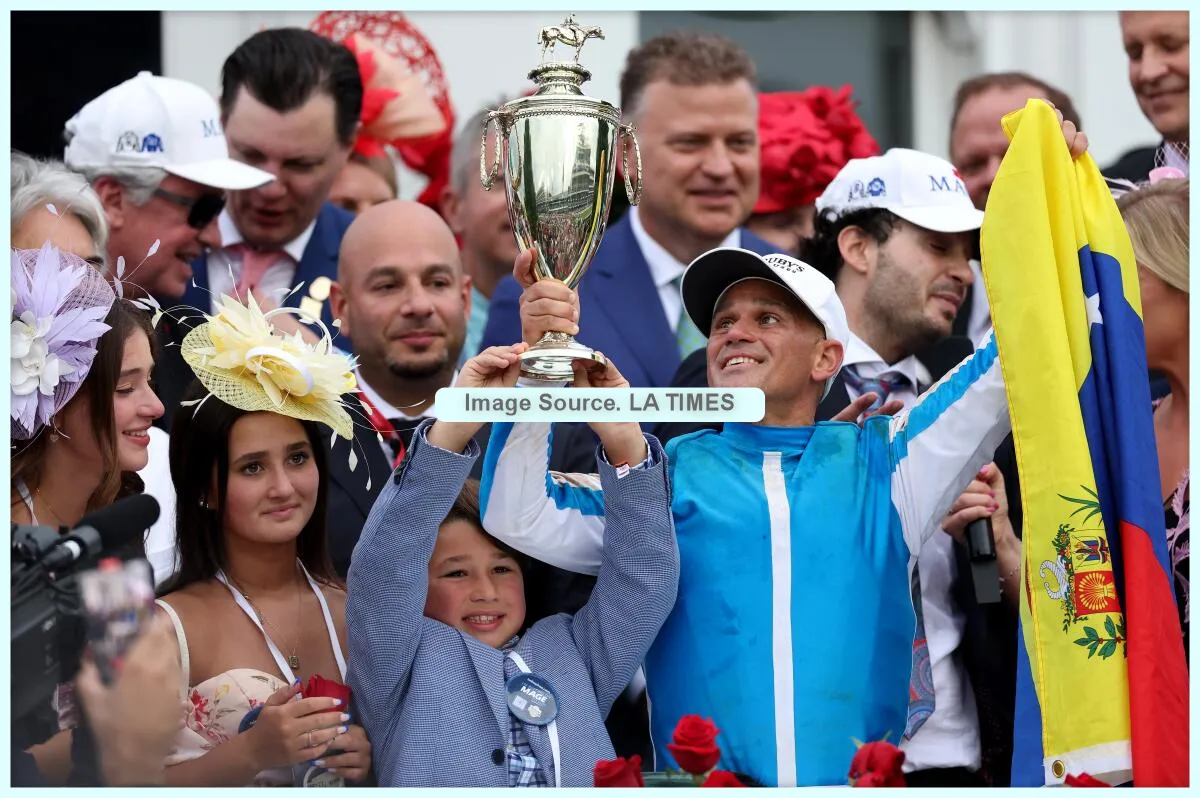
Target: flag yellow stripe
x,y
1039,214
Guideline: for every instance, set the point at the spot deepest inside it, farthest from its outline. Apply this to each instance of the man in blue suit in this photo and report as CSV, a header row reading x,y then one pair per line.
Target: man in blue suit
x,y
290,105
692,99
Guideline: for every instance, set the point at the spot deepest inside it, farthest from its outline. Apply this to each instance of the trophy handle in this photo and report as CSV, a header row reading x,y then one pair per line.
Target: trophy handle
x,y
488,176
634,192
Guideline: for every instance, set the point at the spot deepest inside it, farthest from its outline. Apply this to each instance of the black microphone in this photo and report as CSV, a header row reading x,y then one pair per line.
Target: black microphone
x,y
981,549
106,529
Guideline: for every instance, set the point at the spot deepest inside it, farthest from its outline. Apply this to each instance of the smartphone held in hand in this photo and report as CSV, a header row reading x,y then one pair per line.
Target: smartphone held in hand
x,y
118,600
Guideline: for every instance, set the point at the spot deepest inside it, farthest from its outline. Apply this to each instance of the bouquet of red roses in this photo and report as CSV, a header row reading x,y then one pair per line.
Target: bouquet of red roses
x,y
694,746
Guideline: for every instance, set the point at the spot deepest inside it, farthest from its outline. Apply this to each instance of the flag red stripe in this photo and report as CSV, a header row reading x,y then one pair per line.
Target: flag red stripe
x,y
1158,676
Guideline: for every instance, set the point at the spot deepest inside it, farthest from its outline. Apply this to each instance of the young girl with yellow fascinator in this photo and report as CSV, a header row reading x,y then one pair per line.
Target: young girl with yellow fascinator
x,y
258,613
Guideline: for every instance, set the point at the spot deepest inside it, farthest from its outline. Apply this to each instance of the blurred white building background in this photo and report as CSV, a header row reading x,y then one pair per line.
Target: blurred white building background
x,y
904,66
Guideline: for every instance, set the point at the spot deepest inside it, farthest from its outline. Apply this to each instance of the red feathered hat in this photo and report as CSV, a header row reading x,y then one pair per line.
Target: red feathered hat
x,y
806,138
406,103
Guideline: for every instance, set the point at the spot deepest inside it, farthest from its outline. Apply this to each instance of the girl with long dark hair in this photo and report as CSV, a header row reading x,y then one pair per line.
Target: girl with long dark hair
x,y
256,606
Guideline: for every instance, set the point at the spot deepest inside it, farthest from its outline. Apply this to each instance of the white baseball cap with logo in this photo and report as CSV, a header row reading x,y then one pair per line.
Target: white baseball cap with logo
x,y
919,188
716,271
160,122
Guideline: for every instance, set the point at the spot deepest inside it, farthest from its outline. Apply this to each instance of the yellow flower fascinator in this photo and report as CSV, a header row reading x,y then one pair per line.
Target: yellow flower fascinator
x,y
245,362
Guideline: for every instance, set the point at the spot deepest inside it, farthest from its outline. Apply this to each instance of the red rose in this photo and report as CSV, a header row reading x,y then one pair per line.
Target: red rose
x,y
1084,780
722,778
694,745
877,764
319,687
619,772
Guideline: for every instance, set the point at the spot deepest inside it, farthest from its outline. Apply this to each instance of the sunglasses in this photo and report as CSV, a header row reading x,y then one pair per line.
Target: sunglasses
x,y
201,210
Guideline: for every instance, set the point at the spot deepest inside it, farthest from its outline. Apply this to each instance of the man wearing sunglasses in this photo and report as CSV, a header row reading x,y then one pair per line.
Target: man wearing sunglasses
x,y
154,151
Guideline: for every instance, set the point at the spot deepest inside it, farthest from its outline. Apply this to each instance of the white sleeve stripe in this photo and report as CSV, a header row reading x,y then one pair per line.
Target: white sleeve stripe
x,y
939,445
518,509
782,663
930,406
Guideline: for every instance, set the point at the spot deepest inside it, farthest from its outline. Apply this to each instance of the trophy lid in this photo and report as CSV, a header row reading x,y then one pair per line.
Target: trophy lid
x,y
563,77
559,82
559,77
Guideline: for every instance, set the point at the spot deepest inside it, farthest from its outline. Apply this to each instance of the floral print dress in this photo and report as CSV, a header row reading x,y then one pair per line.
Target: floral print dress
x,y
217,706
1178,526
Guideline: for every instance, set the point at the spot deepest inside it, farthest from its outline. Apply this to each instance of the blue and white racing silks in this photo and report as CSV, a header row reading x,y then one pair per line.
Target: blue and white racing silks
x,y
794,625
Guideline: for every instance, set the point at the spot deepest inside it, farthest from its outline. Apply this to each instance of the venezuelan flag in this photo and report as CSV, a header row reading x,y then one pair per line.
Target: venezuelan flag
x,y
1102,680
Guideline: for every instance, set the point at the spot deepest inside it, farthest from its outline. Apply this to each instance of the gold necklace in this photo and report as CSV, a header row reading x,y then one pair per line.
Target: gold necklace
x,y
45,501
293,660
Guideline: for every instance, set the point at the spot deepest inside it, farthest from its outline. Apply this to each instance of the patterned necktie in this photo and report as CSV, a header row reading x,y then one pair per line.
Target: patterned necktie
x,y
255,263
687,336
920,682
882,385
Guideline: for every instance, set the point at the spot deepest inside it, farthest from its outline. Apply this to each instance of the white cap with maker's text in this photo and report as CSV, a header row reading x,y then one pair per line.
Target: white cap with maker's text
x,y
158,122
916,186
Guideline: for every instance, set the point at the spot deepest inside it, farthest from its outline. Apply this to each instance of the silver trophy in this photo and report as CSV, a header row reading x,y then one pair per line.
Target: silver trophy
x,y
558,147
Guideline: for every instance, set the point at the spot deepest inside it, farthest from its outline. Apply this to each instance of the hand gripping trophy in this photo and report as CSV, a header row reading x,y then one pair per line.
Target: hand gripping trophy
x,y
558,148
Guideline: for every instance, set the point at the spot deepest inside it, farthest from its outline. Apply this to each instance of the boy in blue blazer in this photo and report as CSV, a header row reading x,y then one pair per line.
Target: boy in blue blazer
x,y
452,690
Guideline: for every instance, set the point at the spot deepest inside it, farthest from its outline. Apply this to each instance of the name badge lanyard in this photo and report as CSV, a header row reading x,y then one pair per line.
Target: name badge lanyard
x,y
551,729
275,652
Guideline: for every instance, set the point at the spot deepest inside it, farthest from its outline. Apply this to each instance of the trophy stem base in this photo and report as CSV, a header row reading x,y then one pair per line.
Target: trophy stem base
x,y
550,359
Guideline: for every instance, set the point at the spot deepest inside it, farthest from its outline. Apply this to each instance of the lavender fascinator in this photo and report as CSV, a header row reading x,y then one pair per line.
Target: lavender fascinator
x,y
59,303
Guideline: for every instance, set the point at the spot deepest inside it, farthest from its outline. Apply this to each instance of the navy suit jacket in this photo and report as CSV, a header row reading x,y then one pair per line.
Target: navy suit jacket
x,y
351,494
619,310
320,259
